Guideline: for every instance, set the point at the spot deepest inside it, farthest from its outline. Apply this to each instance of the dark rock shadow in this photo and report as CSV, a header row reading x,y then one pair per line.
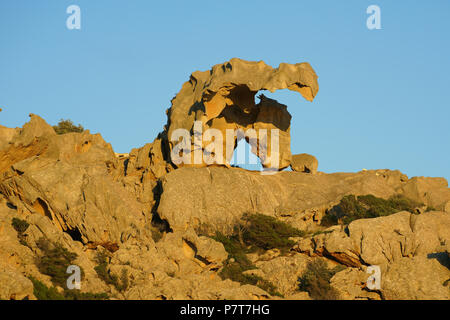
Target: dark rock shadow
x,y
442,257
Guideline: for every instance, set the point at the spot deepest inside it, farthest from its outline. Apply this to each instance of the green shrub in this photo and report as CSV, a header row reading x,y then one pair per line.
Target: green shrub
x,y
238,262
42,292
353,207
234,271
78,295
316,281
265,232
110,279
54,261
236,250
66,126
254,232
20,225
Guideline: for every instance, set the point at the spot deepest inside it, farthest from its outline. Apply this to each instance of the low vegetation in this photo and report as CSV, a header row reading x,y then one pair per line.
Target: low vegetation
x,y
264,232
42,292
120,283
256,232
20,226
66,126
316,280
54,262
353,207
233,269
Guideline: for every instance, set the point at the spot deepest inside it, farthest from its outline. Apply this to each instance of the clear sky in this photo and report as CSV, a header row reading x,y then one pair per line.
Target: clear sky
x,y
384,97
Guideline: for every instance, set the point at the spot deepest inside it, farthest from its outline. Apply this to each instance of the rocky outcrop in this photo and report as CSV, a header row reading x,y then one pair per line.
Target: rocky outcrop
x,y
70,179
304,163
383,240
218,196
405,246
224,98
14,285
283,272
142,226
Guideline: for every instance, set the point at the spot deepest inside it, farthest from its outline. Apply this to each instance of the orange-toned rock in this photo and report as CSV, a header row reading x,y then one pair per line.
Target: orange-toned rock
x,y
224,98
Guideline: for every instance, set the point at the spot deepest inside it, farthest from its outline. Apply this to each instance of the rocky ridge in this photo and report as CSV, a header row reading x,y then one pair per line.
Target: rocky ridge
x,y
144,228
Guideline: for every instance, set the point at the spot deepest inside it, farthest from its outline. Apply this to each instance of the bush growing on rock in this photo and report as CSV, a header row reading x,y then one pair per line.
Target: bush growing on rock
x,y
237,261
66,126
255,232
42,292
353,207
265,232
54,261
316,280
234,267
20,225
110,279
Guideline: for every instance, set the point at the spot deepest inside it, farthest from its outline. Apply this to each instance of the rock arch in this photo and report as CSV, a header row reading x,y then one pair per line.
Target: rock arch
x,y
224,98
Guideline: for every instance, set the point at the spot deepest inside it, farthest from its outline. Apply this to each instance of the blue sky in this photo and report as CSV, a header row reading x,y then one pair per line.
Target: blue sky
x,y
383,100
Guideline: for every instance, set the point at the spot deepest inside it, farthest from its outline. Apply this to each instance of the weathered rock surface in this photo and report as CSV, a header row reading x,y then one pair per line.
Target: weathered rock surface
x,y
284,272
6,135
73,190
383,240
70,179
14,285
217,196
304,163
18,258
401,243
350,284
416,278
224,98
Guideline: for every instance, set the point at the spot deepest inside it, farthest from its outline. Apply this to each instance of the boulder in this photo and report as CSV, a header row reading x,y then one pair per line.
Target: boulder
x,y
434,192
304,163
409,249
283,272
14,285
350,284
417,278
382,240
6,135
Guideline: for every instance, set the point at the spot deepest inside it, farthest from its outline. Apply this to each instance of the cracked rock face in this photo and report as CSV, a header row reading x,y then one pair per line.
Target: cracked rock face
x,y
70,179
224,98
217,197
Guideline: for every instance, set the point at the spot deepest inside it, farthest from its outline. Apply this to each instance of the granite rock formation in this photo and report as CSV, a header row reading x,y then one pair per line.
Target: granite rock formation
x,y
142,227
